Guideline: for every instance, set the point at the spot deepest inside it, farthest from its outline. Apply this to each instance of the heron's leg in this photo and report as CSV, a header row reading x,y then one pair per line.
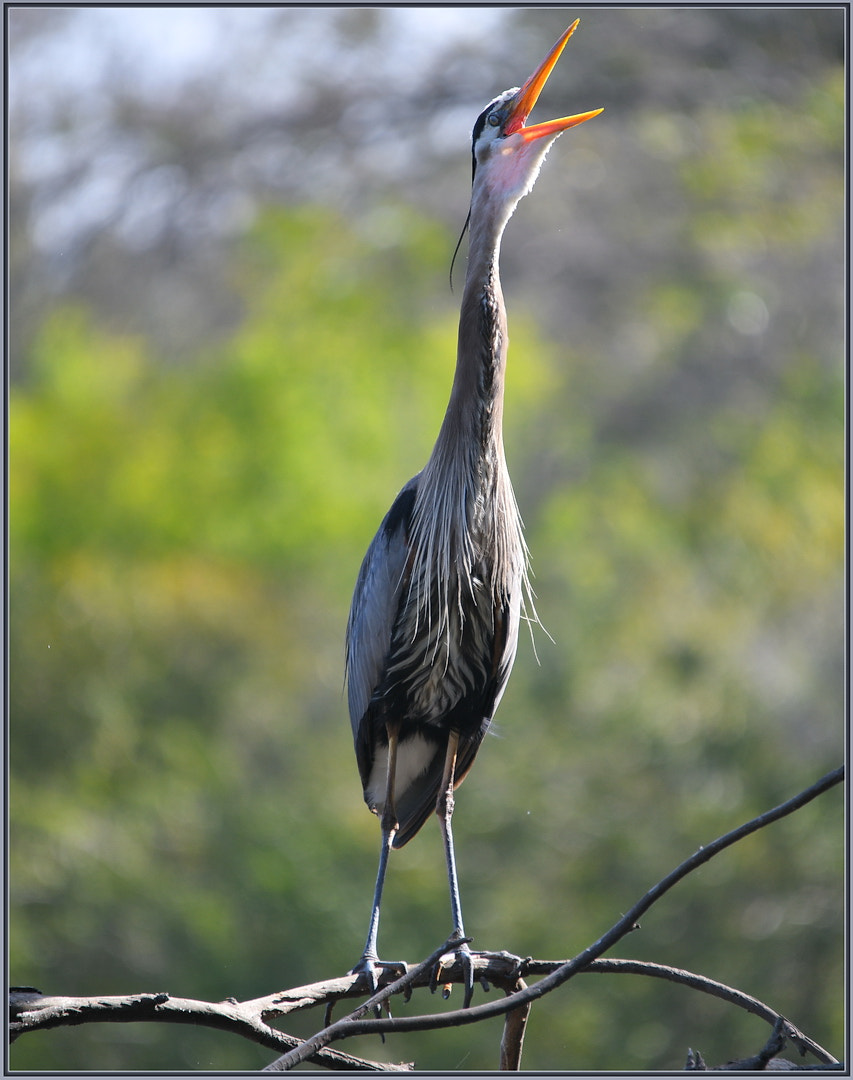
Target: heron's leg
x,y
388,821
444,810
370,952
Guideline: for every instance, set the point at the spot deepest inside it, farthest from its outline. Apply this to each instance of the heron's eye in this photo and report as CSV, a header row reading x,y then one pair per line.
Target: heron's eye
x,y
494,120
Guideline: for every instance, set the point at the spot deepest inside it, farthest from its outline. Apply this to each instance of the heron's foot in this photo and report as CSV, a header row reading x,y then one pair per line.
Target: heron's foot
x,y
463,956
372,967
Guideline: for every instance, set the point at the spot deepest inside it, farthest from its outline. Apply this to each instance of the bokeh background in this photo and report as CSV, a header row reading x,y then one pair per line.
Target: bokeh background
x,y
232,339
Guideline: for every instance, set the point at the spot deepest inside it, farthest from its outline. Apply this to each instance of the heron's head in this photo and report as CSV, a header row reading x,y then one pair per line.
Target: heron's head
x,y
507,154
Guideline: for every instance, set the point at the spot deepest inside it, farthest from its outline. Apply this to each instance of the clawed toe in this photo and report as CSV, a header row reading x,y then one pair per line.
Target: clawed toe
x,y
464,957
372,967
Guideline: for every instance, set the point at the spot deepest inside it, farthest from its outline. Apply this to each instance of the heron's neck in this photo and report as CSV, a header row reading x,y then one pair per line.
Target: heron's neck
x,y
472,425
464,491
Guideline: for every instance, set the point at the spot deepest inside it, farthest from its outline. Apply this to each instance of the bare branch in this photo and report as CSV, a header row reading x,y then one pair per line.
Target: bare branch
x,y
716,989
766,1058
515,1025
345,1029
306,1049
31,1011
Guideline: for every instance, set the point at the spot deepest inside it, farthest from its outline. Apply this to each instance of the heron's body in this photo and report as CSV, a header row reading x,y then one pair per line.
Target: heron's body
x,y
434,623
433,628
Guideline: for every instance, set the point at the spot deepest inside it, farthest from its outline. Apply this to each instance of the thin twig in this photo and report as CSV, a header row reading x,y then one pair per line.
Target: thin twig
x,y
716,989
766,1058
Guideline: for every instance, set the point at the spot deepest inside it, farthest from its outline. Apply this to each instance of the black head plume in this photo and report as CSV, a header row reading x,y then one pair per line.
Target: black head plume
x,y
458,245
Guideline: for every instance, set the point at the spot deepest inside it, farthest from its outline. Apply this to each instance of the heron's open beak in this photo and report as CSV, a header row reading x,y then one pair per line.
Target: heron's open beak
x,y
526,97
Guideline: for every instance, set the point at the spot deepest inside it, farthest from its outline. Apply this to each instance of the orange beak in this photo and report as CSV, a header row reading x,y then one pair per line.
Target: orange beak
x,y
526,98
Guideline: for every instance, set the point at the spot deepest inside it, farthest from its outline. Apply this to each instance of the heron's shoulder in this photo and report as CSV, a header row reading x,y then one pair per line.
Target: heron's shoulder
x,y
399,516
385,559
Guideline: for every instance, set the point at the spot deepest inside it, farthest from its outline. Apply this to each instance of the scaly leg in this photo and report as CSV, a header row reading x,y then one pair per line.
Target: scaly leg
x,y
370,962
444,810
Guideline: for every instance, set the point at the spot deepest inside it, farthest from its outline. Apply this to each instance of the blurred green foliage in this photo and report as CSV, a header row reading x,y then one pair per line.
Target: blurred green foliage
x,y
185,811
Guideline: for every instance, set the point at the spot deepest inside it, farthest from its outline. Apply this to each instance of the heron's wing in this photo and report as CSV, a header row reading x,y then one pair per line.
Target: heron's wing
x,y
374,607
416,804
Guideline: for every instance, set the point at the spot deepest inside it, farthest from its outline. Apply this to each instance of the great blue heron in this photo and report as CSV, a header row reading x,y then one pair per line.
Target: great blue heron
x,y
433,627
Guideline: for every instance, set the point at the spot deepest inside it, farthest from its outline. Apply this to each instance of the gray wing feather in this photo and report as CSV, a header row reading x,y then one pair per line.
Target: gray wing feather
x,y
374,606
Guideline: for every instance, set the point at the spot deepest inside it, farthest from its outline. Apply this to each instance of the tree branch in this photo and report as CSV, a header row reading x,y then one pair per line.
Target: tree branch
x,y
31,1011
716,989
515,1025
565,971
330,1032
762,1060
